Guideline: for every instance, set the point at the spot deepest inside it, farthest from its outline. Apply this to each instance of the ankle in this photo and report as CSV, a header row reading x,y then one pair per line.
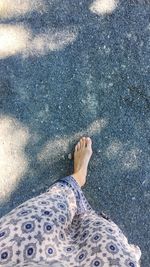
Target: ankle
x,y
80,179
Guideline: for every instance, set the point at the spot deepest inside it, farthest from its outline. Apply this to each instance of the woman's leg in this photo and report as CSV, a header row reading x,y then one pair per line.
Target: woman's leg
x,y
70,198
70,186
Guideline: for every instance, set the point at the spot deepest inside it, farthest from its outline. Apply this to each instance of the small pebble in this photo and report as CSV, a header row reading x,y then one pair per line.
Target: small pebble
x,y
69,156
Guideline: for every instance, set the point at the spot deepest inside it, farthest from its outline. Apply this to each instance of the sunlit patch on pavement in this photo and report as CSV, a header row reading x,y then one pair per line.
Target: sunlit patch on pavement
x,y
101,7
18,39
15,8
13,162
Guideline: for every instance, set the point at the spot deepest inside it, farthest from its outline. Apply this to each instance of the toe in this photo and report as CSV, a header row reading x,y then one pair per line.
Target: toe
x,y
78,146
83,142
88,142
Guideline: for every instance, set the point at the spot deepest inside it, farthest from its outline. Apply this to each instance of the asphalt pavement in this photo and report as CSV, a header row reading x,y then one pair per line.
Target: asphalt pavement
x,y
70,69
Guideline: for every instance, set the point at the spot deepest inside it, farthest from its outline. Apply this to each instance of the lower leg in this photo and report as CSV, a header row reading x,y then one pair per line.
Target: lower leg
x,y
67,191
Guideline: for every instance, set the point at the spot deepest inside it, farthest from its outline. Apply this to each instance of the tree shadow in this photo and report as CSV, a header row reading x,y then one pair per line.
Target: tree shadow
x,y
102,74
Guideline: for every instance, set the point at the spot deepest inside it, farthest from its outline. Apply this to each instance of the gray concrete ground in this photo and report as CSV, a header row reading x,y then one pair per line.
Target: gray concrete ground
x,y
74,68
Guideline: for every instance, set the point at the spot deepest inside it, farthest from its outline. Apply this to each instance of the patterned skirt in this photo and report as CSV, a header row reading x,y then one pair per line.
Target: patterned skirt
x,y
59,228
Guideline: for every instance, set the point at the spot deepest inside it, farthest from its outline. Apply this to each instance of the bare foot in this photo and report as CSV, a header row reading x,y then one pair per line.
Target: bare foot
x,y
82,155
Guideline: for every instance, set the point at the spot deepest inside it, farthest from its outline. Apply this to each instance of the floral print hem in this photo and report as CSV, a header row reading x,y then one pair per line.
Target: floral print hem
x,y
59,228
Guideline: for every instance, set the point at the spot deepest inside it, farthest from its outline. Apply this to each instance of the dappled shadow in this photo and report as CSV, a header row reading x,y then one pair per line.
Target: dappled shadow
x,y
17,39
127,155
68,69
14,164
59,146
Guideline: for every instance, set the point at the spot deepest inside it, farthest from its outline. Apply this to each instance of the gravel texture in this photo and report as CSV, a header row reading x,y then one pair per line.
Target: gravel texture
x,y
70,69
